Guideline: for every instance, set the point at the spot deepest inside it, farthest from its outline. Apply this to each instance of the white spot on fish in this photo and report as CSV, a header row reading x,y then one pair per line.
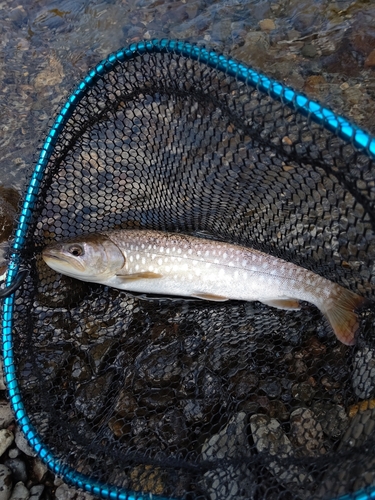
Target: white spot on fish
x,y
131,258
225,255
207,253
244,262
190,251
136,267
142,246
178,250
167,268
137,256
143,260
168,250
160,261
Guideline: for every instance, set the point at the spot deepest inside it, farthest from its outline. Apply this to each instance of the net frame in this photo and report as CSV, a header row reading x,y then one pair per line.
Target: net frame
x,y
338,125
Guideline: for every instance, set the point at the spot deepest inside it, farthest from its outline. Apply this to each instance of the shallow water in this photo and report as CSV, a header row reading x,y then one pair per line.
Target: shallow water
x,y
324,48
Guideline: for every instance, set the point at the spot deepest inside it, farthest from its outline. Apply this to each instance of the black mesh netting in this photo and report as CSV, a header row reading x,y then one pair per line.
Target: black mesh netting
x,y
195,399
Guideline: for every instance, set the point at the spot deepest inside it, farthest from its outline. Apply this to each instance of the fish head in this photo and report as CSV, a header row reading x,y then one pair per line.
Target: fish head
x,y
93,257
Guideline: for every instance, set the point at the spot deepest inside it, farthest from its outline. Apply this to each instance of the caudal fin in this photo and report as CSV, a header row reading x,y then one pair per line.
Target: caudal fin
x,y
342,315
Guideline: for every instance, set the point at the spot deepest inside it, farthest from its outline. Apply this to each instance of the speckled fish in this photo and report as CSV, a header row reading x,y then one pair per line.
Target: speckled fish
x,y
176,264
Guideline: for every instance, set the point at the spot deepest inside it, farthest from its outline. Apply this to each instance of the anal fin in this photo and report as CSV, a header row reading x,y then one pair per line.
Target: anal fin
x,y
210,296
290,304
139,276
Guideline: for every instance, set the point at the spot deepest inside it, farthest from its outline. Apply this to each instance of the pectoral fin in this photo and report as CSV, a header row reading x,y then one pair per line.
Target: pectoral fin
x,y
291,304
210,296
138,276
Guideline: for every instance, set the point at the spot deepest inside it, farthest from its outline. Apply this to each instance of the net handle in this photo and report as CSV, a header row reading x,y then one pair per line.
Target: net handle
x,y
295,100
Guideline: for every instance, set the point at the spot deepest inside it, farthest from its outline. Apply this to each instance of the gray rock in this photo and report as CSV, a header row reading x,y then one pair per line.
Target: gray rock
x,y
364,373
233,481
306,432
13,453
63,492
6,414
18,468
269,437
361,427
6,482
22,444
36,491
332,417
6,439
20,492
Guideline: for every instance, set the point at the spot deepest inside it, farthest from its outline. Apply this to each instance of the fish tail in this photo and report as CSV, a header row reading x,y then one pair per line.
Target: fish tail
x,y
342,314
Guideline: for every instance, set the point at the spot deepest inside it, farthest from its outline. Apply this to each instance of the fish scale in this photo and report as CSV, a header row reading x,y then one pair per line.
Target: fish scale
x,y
157,262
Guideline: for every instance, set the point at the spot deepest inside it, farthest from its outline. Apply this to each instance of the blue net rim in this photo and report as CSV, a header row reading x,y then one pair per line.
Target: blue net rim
x,y
298,102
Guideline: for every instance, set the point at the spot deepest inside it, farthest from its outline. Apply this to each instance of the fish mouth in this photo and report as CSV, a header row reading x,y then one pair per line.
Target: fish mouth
x,y
51,257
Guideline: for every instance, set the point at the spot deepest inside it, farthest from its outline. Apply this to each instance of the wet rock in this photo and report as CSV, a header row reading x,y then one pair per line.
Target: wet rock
x,y
361,427
353,471
170,428
269,437
36,492
271,387
370,60
22,444
98,352
126,404
5,482
39,469
9,199
18,468
243,384
157,399
20,492
149,479
6,414
332,418
66,293
303,392
363,380
91,396
306,433
267,24
309,50
6,439
233,481
63,492
159,366
13,453
53,74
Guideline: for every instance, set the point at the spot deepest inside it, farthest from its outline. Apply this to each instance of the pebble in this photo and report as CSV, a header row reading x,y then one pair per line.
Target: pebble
x,y
6,439
22,444
13,453
233,481
39,469
6,414
18,468
364,373
63,492
306,432
309,50
370,60
36,491
267,24
20,492
269,437
6,482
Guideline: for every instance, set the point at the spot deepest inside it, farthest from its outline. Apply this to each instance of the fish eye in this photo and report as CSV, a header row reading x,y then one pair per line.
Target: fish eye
x,y
76,250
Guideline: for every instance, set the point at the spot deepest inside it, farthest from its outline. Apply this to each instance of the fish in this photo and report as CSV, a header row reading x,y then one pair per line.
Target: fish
x,y
176,264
